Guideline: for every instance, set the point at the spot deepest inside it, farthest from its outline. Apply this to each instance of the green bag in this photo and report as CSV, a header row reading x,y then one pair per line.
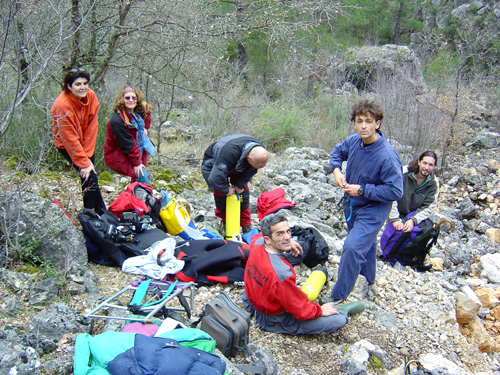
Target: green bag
x,y
192,338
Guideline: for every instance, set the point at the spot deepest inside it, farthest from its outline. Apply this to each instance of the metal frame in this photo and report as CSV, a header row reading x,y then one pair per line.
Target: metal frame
x,y
180,287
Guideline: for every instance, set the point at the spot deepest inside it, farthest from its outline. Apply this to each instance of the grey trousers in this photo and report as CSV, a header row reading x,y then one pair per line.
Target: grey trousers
x,y
287,324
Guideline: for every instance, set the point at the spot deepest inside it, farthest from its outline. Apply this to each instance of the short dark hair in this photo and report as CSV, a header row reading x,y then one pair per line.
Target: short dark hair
x,y
366,107
269,221
72,75
413,166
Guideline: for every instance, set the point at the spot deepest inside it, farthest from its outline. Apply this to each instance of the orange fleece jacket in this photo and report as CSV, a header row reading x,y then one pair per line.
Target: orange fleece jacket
x,y
75,126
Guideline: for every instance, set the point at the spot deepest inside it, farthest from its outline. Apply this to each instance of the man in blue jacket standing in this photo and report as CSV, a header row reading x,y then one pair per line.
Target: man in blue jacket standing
x,y
373,180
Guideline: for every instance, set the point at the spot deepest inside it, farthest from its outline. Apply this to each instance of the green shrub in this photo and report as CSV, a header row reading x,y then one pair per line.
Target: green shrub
x,y
53,175
375,362
176,182
105,178
279,128
165,175
11,162
442,69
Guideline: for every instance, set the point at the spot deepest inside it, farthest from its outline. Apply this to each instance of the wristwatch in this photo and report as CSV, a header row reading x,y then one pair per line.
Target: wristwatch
x,y
360,191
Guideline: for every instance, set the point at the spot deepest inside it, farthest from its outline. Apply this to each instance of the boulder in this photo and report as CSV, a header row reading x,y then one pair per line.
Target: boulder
x,y
57,320
467,305
365,64
487,297
42,230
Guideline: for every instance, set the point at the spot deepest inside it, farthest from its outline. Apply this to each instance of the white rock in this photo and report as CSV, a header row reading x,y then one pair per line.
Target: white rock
x,y
431,361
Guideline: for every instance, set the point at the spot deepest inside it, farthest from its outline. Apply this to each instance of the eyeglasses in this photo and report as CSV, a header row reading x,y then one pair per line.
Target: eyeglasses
x,y
74,70
131,98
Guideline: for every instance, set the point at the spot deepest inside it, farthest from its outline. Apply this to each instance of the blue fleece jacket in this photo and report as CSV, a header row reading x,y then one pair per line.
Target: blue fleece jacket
x,y
376,167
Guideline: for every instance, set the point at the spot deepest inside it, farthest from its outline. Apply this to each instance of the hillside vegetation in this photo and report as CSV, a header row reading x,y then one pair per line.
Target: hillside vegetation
x,y
282,71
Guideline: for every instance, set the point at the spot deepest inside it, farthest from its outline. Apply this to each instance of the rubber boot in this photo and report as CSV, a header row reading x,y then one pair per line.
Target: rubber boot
x,y
351,308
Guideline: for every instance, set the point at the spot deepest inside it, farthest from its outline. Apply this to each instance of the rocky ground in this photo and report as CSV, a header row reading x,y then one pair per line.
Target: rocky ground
x,y
408,313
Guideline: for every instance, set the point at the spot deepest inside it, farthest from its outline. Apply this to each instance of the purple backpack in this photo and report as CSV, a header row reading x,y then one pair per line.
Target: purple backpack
x,y
409,249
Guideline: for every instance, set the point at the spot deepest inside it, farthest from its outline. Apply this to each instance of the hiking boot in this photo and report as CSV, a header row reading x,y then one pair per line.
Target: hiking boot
x,y
351,308
329,299
246,229
423,267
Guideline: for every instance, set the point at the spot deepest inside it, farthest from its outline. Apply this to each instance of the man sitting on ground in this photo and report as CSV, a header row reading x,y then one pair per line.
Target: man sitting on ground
x,y
270,290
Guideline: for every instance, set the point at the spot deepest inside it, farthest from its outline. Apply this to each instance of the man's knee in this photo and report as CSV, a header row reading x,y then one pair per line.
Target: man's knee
x,y
220,202
245,200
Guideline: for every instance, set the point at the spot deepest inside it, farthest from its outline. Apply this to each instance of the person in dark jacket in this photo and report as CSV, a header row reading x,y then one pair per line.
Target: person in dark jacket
x,y
412,211
373,180
421,191
127,144
228,166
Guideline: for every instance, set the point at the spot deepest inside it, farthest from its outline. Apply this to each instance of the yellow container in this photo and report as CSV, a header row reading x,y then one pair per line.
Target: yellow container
x,y
315,282
233,208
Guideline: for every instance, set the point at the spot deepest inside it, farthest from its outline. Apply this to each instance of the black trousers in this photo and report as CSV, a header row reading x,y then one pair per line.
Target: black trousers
x,y
92,198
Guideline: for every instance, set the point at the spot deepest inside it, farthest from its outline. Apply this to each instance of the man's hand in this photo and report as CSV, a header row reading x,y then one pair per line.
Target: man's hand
x,y
138,172
408,226
231,191
238,190
328,309
296,248
85,172
339,178
398,225
352,190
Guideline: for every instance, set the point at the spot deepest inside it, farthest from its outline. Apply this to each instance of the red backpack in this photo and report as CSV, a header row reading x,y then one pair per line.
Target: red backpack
x,y
138,197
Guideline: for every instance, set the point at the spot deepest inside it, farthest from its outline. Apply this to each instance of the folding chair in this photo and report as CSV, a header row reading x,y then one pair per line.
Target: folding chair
x,y
148,298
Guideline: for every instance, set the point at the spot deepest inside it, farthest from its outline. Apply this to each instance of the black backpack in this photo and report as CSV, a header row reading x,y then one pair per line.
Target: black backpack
x,y
314,246
412,251
110,241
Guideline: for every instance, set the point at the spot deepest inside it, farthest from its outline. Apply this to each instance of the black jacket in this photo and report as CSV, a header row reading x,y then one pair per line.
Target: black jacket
x,y
227,157
419,199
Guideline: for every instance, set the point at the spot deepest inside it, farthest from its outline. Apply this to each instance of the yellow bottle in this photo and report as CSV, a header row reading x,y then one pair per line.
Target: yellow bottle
x,y
315,282
233,207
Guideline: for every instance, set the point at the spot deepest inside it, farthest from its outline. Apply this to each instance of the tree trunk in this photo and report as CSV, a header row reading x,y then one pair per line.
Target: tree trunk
x,y
397,26
75,45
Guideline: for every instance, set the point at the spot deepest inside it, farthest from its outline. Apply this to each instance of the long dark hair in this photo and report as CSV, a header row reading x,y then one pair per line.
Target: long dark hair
x,y
413,166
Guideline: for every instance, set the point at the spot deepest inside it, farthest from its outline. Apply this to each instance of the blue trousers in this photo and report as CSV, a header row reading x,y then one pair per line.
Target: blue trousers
x,y
359,254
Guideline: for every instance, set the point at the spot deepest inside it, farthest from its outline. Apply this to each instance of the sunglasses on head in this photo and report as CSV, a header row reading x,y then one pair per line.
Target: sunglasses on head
x,y
131,98
74,70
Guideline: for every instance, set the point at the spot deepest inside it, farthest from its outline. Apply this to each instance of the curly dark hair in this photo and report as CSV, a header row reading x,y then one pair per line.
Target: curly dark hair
x,y
72,75
365,107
